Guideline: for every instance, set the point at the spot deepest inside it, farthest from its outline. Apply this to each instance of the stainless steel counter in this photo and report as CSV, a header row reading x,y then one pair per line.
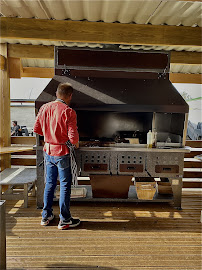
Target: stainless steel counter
x,y
138,149
128,148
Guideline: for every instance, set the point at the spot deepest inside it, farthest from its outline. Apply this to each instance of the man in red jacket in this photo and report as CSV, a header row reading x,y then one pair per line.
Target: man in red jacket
x,y
57,122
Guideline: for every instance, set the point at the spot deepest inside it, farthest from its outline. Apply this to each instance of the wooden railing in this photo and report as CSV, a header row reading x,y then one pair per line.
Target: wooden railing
x,y
27,158
192,166
23,140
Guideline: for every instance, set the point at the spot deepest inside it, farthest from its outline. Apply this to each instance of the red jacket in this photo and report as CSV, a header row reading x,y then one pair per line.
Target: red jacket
x,y
57,123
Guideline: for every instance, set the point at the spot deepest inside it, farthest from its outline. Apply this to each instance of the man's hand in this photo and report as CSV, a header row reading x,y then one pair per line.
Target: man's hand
x,y
76,145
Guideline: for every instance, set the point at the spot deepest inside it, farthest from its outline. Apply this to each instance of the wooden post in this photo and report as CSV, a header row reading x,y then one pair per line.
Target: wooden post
x,y
2,62
185,130
5,132
2,235
14,67
177,192
154,121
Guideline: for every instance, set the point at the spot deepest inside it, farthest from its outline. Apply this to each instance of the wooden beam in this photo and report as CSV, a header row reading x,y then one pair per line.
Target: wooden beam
x,y
2,62
26,153
185,129
37,72
193,58
25,140
23,161
192,184
14,67
193,164
192,174
192,154
185,78
30,51
99,32
14,149
193,144
5,132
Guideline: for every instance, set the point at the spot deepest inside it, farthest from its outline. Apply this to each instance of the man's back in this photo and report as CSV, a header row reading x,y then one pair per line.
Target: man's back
x,y
57,123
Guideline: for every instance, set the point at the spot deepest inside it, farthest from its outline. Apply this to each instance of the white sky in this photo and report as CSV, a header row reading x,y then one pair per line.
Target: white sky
x,y
194,90
30,88
27,88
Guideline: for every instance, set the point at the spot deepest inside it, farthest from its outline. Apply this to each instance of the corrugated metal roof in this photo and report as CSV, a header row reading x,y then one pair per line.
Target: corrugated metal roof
x,y
194,69
96,45
174,68
161,48
46,63
124,11
179,13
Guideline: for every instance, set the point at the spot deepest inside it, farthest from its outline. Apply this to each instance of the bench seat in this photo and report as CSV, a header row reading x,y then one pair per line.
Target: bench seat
x,y
17,177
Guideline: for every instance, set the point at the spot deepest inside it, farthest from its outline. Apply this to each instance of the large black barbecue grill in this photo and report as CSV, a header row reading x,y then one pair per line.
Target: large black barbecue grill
x,y
119,96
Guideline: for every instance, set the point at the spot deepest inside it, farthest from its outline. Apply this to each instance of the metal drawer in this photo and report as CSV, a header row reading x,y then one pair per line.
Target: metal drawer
x,y
95,162
88,167
167,169
131,168
167,164
131,163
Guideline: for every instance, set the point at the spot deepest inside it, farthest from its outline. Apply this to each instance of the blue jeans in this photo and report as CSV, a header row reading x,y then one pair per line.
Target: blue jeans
x,y
55,165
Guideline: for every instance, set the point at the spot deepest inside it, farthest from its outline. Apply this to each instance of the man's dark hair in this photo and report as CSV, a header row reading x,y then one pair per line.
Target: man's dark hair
x,y
64,89
15,122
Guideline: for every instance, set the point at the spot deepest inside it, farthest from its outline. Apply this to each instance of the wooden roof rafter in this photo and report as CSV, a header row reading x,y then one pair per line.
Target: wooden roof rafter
x,y
99,32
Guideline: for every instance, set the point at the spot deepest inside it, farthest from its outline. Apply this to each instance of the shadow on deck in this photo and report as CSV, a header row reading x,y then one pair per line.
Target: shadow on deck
x,y
111,236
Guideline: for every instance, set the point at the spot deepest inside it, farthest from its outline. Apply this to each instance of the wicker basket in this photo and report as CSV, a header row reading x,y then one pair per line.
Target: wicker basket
x,y
145,190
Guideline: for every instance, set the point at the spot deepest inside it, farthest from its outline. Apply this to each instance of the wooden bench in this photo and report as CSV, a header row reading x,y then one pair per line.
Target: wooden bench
x,y
13,177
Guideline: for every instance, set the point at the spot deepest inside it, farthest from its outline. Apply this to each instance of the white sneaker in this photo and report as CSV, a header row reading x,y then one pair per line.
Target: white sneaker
x,y
73,222
46,221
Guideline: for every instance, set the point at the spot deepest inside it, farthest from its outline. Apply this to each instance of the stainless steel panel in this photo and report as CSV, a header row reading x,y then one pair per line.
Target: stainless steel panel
x,y
165,160
96,162
130,159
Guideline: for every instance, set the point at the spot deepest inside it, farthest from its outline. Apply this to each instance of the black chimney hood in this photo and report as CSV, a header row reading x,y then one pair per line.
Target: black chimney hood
x,y
120,81
118,94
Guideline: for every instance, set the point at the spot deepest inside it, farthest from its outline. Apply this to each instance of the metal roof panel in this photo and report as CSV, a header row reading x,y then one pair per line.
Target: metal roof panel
x,y
129,11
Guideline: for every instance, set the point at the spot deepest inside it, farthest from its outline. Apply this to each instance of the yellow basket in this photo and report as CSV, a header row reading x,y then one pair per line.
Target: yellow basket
x,y
145,190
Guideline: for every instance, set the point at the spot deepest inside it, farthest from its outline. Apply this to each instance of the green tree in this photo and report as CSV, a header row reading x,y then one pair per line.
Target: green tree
x,y
185,96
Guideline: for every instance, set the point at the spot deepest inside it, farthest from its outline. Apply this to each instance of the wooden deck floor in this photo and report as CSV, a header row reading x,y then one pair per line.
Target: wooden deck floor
x,y
112,236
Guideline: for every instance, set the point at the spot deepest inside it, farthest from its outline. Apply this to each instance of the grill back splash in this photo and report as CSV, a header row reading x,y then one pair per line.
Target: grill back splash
x,y
120,95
